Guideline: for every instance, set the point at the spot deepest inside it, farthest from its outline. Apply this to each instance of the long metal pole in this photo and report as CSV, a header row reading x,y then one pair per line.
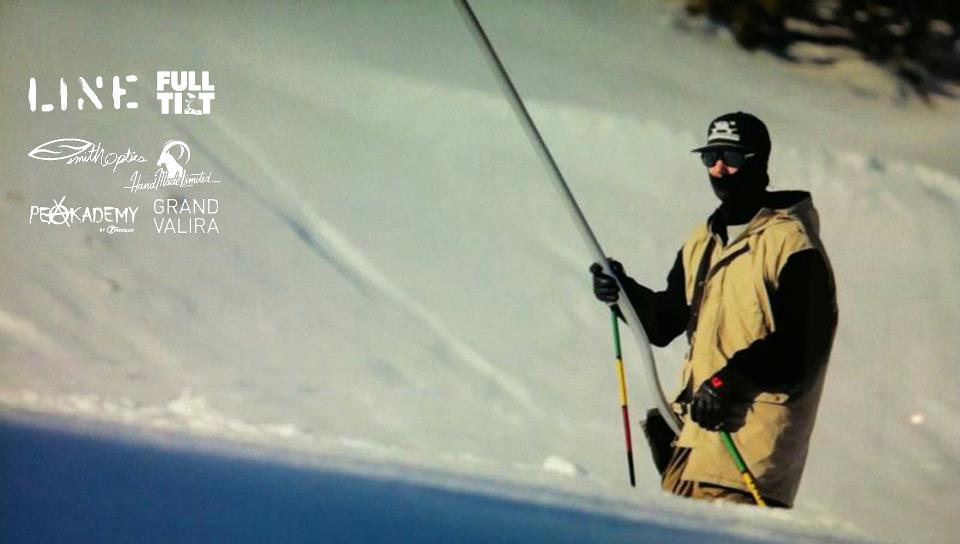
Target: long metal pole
x,y
629,312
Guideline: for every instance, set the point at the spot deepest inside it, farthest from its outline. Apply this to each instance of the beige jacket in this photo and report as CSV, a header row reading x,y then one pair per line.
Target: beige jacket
x,y
735,311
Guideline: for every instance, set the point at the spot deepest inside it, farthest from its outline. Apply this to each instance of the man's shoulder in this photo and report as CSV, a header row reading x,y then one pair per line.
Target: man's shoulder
x,y
786,229
783,224
791,215
784,237
698,234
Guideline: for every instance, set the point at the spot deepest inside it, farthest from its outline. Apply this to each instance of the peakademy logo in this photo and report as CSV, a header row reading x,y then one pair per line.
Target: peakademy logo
x,y
115,218
179,92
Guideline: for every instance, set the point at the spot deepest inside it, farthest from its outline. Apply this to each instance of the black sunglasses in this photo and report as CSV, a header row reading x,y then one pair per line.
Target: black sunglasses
x,y
731,157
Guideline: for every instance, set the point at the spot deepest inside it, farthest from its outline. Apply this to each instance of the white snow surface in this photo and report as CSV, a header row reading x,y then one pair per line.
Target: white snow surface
x,y
396,281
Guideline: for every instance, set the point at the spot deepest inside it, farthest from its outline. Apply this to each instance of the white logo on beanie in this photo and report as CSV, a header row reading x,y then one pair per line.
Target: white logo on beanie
x,y
724,130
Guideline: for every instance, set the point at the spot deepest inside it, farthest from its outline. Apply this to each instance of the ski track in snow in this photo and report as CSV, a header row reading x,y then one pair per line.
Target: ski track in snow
x,y
330,244
25,331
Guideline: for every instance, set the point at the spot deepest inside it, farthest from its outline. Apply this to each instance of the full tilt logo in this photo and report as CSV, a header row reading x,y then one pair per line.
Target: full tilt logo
x,y
184,93
178,92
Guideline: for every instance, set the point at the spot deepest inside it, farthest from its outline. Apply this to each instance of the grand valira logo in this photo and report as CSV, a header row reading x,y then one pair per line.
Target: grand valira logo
x,y
183,216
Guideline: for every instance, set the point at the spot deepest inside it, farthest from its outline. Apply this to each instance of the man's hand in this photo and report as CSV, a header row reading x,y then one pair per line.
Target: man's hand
x,y
721,401
604,286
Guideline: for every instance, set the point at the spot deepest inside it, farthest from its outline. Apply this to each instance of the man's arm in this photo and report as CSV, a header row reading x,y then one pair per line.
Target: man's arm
x,y
664,314
804,313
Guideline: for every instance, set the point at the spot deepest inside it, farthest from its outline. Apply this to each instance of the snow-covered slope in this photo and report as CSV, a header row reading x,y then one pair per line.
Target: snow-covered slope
x,y
133,488
394,275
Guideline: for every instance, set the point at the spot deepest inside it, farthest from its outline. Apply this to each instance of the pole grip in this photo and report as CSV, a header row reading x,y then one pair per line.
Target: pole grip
x,y
624,409
748,479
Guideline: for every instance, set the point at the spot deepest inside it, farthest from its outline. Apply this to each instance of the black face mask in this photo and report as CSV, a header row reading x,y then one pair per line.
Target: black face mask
x,y
741,193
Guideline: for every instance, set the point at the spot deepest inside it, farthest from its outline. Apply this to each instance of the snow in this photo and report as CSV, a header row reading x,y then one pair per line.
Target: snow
x,y
199,490
558,464
395,281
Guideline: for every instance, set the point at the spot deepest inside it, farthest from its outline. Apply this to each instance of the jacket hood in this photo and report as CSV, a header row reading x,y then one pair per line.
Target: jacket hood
x,y
792,204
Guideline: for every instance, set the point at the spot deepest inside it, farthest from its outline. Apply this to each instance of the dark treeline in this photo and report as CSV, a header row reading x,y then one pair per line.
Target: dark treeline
x,y
916,38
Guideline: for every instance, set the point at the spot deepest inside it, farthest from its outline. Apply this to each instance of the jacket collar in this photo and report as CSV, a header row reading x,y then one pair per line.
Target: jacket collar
x,y
777,205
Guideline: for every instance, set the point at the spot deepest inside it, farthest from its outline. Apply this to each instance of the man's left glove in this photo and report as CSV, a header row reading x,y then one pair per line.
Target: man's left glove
x,y
605,287
721,402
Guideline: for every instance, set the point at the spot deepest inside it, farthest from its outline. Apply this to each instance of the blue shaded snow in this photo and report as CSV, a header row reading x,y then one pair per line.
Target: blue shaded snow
x,y
66,485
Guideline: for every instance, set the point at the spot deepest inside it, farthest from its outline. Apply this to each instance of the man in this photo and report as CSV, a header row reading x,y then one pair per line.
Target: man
x,y
754,292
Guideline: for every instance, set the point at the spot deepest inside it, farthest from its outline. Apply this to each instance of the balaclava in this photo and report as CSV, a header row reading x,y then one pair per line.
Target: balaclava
x,y
741,194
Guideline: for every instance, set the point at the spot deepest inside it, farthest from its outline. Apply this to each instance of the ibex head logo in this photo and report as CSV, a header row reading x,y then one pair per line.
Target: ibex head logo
x,y
175,154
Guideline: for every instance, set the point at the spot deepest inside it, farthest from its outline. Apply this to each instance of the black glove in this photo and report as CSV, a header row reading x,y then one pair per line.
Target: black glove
x,y
721,402
604,286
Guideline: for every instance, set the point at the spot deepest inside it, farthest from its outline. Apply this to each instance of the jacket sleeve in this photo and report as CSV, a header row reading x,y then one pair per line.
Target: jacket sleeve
x,y
805,318
664,314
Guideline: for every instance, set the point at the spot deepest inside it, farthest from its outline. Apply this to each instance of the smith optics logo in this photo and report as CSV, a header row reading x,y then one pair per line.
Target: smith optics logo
x,y
724,130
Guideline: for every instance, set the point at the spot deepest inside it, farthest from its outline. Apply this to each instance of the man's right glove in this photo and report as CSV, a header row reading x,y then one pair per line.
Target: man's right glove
x,y
604,286
721,402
